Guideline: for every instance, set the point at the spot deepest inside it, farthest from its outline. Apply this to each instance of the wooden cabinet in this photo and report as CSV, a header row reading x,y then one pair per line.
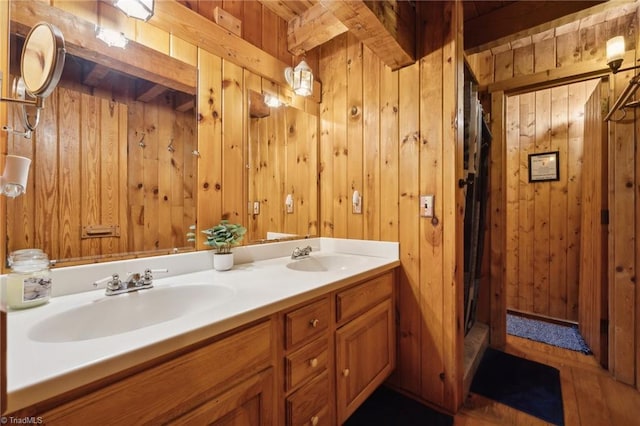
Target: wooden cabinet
x,y
313,364
229,377
307,361
249,403
337,350
365,346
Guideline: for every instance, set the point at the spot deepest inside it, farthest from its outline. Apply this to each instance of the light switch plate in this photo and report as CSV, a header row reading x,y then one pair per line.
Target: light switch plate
x,y
426,205
256,207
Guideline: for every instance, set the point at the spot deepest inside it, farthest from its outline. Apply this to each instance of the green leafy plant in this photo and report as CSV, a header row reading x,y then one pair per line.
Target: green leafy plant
x,y
224,235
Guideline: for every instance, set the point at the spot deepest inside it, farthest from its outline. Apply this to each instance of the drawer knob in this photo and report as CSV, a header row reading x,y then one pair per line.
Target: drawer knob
x,y
313,362
315,420
314,322
345,372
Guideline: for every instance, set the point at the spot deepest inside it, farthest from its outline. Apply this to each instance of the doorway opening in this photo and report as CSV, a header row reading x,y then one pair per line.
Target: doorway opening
x,y
545,140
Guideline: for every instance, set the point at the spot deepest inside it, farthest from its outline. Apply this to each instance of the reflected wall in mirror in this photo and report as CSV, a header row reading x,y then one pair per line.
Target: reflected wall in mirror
x,y
113,170
282,161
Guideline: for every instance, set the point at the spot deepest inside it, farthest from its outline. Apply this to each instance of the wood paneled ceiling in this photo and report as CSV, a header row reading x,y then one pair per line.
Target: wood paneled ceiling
x,y
387,27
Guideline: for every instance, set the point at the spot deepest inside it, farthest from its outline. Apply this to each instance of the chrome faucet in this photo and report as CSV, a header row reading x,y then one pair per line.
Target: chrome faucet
x,y
134,282
299,253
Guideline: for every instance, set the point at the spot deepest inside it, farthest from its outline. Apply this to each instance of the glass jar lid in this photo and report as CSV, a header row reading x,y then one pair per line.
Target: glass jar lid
x,y
28,260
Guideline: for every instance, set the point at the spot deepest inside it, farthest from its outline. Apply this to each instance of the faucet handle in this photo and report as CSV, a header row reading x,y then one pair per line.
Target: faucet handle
x,y
148,272
113,282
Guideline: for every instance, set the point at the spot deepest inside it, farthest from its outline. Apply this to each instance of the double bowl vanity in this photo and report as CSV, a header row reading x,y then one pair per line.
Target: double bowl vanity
x,y
276,340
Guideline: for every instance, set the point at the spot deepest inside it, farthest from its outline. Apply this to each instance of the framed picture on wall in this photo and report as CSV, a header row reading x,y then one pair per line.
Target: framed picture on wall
x,y
544,166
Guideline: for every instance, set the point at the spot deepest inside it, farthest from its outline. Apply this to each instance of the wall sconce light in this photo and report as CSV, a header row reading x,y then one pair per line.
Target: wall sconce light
x,y
112,38
300,79
272,101
615,52
138,9
13,181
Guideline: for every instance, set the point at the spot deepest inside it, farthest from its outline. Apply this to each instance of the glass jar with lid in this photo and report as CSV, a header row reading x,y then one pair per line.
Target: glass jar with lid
x,y
29,282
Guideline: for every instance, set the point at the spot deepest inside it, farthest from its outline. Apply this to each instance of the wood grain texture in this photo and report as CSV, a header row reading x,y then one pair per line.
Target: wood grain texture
x,y
543,219
593,291
590,395
418,132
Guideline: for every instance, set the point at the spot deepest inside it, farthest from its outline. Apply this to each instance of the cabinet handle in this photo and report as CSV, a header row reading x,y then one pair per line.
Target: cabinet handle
x,y
315,420
345,372
313,362
314,322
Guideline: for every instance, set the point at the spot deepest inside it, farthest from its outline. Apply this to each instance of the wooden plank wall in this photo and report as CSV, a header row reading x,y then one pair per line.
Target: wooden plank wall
x,y
573,43
110,159
543,218
260,26
624,299
392,136
282,153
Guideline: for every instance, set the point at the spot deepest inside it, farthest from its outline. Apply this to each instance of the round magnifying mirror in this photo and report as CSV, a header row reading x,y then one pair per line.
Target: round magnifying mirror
x,y
42,59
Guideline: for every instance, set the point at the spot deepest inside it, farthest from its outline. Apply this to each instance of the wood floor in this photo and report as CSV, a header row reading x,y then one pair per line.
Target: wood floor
x,y
590,396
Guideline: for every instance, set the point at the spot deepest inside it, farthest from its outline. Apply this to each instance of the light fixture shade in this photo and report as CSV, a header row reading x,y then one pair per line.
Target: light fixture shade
x,y
615,52
138,9
272,100
112,38
300,79
13,181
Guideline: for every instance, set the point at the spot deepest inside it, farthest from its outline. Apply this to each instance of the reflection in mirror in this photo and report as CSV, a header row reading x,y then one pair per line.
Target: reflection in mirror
x,y
283,165
113,170
42,59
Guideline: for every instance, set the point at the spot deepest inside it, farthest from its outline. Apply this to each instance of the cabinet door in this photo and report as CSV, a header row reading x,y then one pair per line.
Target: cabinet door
x,y
249,403
365,356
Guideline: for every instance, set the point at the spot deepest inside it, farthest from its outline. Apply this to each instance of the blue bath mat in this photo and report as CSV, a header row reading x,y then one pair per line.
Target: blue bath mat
x,y
563,336
524,385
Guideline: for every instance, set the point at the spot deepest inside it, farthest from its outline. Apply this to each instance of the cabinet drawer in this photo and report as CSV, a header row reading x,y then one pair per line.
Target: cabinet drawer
x,y
306,322
309,405
361,297
306,362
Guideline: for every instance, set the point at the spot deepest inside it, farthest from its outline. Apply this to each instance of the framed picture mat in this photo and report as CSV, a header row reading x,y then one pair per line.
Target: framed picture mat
x,y
544,166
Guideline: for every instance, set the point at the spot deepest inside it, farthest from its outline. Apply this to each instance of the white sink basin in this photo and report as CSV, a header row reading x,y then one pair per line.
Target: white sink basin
x,y
325,263
111,315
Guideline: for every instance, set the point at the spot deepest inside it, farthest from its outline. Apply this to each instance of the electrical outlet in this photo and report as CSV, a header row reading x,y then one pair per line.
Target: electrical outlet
x,y
426,205
356,203
288,202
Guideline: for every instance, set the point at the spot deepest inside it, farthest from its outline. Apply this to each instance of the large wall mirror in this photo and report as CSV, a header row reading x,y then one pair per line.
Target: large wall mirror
x,y
115,159
282,171
114,162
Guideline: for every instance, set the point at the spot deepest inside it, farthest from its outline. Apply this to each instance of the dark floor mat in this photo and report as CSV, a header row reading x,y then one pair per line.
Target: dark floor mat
x,y
525,385
386,407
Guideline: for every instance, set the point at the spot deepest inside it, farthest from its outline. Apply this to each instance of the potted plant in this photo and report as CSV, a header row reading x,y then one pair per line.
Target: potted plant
x,y
222,237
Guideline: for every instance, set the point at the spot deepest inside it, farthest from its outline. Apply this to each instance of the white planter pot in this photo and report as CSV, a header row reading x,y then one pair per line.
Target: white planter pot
x,y
222,262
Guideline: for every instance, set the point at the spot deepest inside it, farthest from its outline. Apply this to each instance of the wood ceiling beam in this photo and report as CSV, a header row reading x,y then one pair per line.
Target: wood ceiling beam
x,y
177,19
311,29
288,9
386,27
522,18
80,40
95,75
146,92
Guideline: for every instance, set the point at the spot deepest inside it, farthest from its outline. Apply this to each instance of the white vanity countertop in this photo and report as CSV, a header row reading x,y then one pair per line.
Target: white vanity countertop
x,y
40,370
